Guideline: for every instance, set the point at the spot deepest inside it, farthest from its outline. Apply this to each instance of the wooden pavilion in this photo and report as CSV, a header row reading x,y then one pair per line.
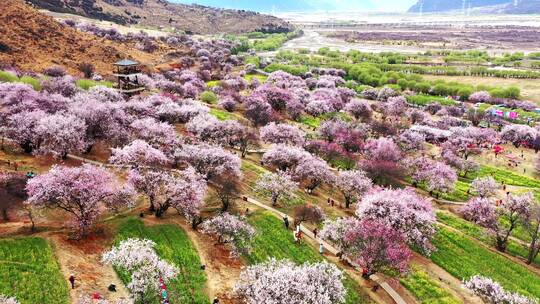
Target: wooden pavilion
x,y
127,73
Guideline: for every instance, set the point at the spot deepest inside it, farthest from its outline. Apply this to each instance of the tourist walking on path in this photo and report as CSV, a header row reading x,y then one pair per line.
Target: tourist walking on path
x,y
72,281
286,222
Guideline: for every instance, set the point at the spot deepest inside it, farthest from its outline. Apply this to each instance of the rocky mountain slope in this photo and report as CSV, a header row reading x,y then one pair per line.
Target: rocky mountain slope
x,y
161,13
33,41
484,6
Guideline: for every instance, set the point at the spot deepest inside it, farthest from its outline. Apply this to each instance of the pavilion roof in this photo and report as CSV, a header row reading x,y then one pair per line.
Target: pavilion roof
x,y
126,62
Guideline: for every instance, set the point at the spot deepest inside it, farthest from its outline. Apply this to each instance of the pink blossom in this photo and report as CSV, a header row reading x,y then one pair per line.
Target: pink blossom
x,y
231,229
372,244
517,134
284,157
480,96
139,258
493,293
21,127
318,107
138,153
209,161
258,111
359,109
313,172
282,134
411,140
60,134
277,282
183,190
160,135
395,106
485,186
285,80
502,219
353,184
403,210
80,191
382,149
279,186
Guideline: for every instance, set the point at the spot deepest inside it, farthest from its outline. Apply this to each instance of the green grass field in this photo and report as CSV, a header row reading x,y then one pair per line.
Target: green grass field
x,y
462,257
508,177
222,115
274,241
86,84
173,245
29,271
426,290
477,232
260,78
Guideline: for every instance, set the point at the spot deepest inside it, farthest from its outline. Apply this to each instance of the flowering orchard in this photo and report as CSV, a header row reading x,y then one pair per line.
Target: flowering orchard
x,y
357,135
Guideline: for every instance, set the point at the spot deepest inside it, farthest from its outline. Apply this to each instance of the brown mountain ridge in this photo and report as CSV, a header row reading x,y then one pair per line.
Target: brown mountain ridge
x,y
33,41
160,13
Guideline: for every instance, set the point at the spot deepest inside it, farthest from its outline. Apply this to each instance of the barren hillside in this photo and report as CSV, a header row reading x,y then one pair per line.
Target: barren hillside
x,y
33,41
160,13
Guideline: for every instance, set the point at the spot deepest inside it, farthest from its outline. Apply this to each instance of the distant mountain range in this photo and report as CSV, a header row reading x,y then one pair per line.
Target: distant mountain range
x,y
287,5
483,6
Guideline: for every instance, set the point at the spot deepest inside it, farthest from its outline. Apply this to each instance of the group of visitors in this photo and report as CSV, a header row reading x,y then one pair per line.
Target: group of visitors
x,y
298,234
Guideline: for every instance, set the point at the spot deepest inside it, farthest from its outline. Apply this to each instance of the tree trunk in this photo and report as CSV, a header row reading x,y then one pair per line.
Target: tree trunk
x,y
27,147
161,210
196,222
274,200
88,149
533,252
501,244
5,214
225,205
347,203
152,206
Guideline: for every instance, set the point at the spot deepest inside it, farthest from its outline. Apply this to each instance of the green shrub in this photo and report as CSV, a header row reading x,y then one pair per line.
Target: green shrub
x,y
208,97
86,84
35,83
6,76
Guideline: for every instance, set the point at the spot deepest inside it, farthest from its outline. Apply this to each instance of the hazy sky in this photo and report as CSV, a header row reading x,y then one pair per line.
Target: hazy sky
x,y
297,5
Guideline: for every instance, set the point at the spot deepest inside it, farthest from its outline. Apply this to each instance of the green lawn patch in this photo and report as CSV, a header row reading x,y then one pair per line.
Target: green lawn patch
x,y
426,290
29,271
222,115
173,245
479,233
273,240
459,194
261,78
506,176
462,257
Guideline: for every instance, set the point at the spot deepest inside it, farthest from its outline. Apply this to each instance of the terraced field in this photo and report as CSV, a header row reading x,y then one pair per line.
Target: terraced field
x,y
29,271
